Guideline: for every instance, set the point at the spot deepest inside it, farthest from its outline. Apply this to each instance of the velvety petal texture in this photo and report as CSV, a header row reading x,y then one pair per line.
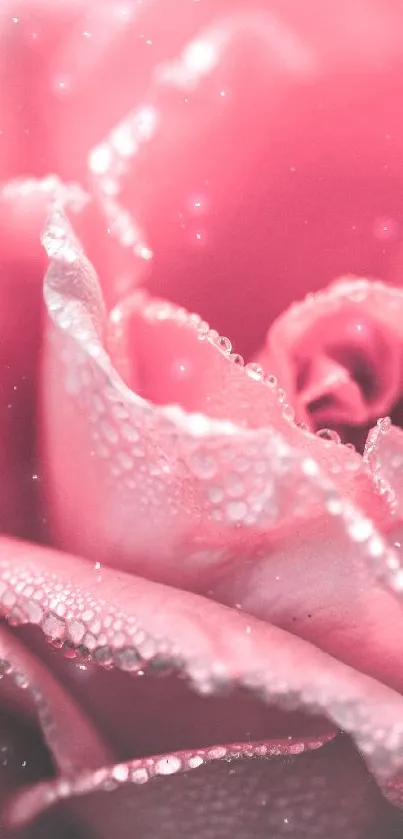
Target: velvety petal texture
x,y
339,356
133,624
211,643
325,793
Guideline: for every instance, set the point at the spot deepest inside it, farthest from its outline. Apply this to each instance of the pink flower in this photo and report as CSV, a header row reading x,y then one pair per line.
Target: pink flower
x,y
225,157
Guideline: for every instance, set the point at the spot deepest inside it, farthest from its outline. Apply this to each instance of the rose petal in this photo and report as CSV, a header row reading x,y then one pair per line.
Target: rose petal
x,y
29,686
24,205
384,454
92,43
97,39
184,628
270,519
161,450
169,356
157,714
25,759
13,142
184,198
63,49
325,794
339,354
29,802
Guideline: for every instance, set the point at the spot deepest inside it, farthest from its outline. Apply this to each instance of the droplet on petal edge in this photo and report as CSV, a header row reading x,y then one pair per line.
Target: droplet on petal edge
x,y
328,434
27,804
187,460
22,191
370,712
384,456
55,712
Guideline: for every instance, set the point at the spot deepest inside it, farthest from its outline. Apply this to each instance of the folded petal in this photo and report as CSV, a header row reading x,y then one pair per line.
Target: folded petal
x,y
24,205
246,508
326,794
234,230
384,454
136,622
339,354
44,731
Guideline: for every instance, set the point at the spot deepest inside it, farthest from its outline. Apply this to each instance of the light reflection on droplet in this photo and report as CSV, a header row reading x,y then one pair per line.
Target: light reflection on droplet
x,y
385,228
328,434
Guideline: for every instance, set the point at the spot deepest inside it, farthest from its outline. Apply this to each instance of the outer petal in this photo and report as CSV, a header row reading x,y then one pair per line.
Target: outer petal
x,y
326,794
299,126
28,685
255,513
212,645
217,224
24,206
359,374
116,48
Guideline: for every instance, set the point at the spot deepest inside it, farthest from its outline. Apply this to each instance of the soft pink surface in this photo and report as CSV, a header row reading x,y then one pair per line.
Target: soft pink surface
x,y
234,156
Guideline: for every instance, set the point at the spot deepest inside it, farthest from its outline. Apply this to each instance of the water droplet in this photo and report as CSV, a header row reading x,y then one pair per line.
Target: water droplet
x,y
109,432
127,659
255,371
54,627
217,752
168,765
120,773
215,494
195,762
21,680
100,159
360,530
234,485
224,344
104,657
76,632
160,665
139,776
119,412
288,411
236,510
328,434
125,461
385,228
203,465
89,641
237,359
384,423
61,84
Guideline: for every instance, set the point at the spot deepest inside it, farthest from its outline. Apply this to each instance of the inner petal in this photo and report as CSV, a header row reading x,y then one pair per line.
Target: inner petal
x,y
340,355
348,372
24,757
235,230
325,794
155,712
169,356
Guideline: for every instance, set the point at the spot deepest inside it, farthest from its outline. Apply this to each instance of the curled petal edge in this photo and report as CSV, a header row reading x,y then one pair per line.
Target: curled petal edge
x,y
211,645
142,457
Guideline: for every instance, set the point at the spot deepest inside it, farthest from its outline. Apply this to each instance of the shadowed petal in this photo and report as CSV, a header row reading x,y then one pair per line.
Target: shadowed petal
x,y
210,644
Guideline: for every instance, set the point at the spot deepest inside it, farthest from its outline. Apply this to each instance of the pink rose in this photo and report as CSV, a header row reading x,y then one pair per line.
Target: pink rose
x,y
226,157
